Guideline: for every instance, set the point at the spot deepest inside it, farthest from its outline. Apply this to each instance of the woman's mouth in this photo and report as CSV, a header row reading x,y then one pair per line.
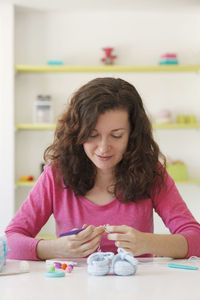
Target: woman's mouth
x,y
103,157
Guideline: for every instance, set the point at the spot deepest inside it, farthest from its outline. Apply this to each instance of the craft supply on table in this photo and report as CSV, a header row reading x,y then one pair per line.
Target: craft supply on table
x,y
69,268
186,267
71,232
58,269
54,274
59,263
103,263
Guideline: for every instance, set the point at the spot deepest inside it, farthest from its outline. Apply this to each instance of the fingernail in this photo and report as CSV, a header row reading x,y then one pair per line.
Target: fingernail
x,y
106,228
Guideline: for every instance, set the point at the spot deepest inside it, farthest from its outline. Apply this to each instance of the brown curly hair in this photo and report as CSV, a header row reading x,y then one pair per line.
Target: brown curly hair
x,y
139,173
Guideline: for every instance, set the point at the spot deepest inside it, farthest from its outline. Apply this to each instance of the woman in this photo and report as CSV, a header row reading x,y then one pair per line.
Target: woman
x,y
104,168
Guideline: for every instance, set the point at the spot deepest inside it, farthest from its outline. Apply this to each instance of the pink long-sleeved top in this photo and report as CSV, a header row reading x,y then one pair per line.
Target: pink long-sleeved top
x,y
71,211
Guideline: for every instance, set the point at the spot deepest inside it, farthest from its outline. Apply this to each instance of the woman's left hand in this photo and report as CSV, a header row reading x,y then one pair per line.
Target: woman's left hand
x,y
128,238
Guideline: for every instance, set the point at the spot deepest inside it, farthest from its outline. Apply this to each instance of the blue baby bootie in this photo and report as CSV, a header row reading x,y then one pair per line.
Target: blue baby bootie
x,y
124,263
99,263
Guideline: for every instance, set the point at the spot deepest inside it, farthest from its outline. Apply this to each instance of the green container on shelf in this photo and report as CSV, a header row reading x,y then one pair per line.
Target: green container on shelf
x,y
178,171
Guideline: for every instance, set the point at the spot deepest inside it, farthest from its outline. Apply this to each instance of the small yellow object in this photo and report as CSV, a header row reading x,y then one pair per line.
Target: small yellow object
x,y
180,119
24,178
191,119
186,119
178,171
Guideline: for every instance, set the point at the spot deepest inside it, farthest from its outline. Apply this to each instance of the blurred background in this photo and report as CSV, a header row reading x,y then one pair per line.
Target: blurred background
x,y
49,48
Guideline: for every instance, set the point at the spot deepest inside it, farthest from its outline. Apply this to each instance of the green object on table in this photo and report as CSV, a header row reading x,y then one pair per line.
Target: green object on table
x,y
55,274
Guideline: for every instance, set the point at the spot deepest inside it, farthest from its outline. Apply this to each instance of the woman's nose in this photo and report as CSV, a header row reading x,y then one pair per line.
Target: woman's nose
x,y
103,146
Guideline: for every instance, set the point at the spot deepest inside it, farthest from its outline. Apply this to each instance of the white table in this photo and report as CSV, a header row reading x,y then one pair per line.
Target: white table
x,y
153,280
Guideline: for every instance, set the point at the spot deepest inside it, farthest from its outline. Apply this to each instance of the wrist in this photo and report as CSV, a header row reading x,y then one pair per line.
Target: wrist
x,y
150,243
47,249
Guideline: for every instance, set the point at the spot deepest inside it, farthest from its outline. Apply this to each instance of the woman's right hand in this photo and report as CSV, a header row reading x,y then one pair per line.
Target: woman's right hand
x,y
77,245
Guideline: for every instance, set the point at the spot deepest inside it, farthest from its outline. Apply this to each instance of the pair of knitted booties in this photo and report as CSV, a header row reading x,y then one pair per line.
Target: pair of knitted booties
x,y
102,263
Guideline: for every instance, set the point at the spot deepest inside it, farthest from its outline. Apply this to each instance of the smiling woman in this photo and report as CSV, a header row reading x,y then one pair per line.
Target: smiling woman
x,y
105,147
104,168
108,141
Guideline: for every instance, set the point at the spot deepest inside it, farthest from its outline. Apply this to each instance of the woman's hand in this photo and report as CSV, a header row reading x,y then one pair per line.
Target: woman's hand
x,y
77,245
82,244
138,243
128,238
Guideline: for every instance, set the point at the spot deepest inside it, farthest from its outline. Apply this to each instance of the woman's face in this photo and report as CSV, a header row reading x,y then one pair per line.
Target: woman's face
x,y
108,141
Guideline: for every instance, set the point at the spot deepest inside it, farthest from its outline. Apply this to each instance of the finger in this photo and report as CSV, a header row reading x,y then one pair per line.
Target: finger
x,y
86,234
99,230
78,236
123,244
128,250
90,247
91,234
120,229
116,237
90,251
120,237
84,226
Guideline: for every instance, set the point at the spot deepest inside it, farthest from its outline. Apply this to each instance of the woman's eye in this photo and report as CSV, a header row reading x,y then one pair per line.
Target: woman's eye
x,y
93,136
116,136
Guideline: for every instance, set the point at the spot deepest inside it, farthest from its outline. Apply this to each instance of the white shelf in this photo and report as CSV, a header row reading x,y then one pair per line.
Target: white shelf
x,y
25,183
177,126
106,68
31,126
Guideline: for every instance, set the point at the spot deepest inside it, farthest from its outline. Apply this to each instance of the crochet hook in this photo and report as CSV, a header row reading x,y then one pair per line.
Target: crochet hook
x,y
177,266
75,231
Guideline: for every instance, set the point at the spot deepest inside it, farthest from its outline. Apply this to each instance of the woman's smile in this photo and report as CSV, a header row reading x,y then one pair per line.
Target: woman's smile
x,y
104,158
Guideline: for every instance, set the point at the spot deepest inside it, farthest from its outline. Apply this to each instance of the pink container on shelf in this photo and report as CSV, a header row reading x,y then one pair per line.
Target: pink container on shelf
x,y
169,55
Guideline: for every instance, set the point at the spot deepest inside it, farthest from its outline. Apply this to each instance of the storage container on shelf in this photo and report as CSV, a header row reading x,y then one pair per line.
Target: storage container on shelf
x,y
42,110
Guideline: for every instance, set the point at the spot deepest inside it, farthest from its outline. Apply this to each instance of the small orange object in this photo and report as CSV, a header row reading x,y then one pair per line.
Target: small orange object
x,y
24,178
63,266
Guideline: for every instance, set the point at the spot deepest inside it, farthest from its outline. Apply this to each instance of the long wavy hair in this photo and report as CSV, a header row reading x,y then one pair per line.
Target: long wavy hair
x,y
139,173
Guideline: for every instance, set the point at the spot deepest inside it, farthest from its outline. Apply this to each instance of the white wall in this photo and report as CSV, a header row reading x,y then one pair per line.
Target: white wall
x,y
6,115
77,38
139,38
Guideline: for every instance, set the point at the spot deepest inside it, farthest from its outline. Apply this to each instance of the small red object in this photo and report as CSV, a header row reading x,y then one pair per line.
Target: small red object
x,y
30,178
109,58
63,266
